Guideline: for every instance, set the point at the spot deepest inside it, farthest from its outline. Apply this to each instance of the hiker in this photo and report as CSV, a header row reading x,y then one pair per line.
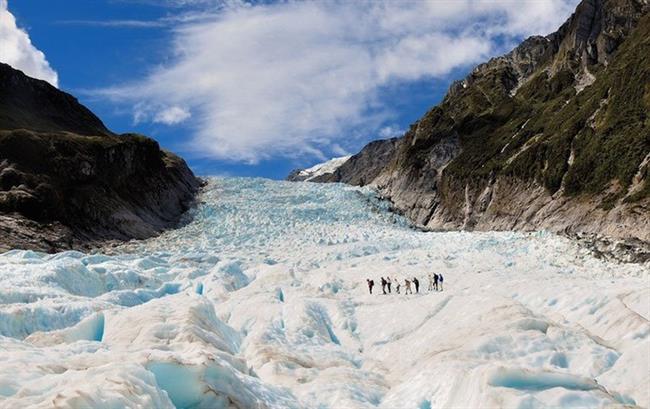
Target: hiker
x,y
383,285
397,285
388,283
417,285
435,281
408,287
430,277
371,284
441,280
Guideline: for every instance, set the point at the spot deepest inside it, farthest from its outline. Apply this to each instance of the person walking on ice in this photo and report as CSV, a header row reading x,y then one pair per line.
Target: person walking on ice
x,y
383,285
430,277
388,283
397,285
441,280
407,289
417,285
435,281
371,284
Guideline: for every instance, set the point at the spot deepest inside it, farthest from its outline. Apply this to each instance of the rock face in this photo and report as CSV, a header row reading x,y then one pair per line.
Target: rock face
x,y
66,181
553,135
363,167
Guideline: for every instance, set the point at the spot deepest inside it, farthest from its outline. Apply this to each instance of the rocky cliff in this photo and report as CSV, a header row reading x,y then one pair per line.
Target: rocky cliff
x,y
66,181
553,135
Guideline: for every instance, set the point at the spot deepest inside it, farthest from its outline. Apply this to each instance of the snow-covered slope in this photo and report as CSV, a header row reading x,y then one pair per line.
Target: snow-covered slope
x,y
322,168
261,302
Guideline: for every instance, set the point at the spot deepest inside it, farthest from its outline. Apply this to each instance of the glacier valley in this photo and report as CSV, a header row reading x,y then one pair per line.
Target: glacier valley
x,y
260,301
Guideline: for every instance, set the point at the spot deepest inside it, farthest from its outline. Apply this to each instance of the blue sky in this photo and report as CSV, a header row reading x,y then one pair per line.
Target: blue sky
x,y
260,89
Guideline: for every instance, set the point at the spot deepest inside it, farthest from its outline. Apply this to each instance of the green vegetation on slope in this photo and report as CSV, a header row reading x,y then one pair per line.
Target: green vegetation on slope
x,y
532,135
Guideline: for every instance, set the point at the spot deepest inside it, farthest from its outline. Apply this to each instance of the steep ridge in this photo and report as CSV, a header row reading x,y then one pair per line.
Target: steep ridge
x,y
26,103
364,167
553,135
66,181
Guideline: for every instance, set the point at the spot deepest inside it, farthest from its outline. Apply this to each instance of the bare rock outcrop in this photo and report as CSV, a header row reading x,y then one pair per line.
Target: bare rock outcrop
x,y
66,181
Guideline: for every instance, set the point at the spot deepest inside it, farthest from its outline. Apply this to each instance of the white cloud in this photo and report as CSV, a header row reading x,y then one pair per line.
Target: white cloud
x,y
159,23
302,78
16,49
171,20
172,115
180,4
390,131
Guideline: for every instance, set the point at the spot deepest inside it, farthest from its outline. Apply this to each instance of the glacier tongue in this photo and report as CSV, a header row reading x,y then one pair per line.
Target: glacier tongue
x,y
261,302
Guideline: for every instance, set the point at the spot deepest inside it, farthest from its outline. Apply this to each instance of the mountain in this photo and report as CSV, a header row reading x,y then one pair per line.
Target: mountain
x,y
300,175
66,181
553,135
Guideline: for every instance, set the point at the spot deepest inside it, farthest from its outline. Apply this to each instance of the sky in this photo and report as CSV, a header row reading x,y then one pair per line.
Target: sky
x,y
260,88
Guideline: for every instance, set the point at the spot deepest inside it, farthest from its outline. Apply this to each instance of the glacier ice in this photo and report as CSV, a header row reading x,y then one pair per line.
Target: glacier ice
x,y
261,302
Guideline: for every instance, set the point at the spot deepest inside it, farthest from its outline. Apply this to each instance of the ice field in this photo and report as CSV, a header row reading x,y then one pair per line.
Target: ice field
x,y
261,302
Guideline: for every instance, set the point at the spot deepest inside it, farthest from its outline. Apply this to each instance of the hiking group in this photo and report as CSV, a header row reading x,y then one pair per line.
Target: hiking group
x,y
435,284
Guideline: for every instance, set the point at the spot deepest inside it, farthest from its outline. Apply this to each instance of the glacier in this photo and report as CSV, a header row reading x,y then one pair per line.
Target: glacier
x,y
260,301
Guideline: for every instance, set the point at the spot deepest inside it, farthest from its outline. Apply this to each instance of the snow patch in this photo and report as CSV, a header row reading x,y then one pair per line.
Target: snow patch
x,y
323,168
